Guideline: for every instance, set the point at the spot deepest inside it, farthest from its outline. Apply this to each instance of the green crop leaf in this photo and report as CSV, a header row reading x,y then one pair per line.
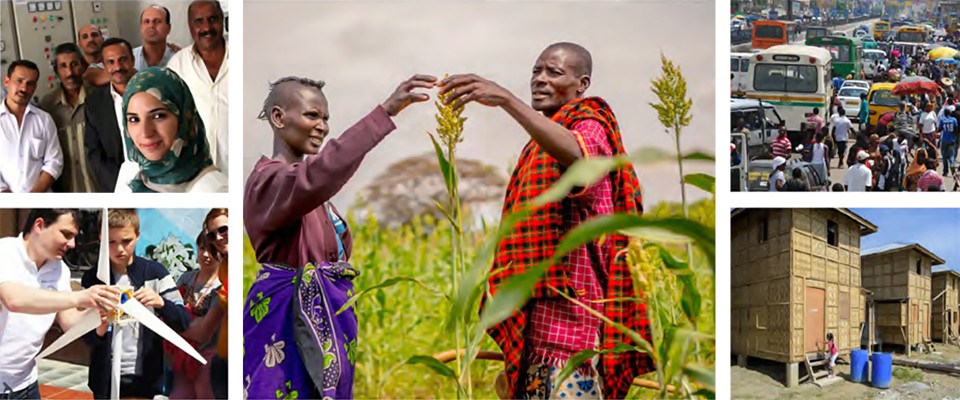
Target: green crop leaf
x,y
449,175
702,181
387,283
576,360
434,365
690,300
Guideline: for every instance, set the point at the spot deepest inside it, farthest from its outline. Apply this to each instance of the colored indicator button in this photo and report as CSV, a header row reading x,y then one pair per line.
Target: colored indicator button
x,y
50,78
34,19
91,20
43,18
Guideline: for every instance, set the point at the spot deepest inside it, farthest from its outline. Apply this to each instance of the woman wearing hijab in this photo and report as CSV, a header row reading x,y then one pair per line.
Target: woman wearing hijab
x,y
166,141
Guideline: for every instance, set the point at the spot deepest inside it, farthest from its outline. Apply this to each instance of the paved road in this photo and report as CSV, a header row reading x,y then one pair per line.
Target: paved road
x,y
846,29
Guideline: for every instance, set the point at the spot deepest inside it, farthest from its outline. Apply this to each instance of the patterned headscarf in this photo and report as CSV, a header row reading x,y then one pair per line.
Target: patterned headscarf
x,y
190,153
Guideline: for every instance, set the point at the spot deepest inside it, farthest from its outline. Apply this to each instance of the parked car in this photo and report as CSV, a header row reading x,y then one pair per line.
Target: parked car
x,y
758,175
761,119
855,83
873,62
849,99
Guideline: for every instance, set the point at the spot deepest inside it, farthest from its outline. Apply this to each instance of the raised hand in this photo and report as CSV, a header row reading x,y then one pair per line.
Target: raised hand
x,y
464,88
404,95
103,297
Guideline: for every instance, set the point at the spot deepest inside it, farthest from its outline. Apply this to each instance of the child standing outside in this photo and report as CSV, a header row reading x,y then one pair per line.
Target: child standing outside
x,y
834,352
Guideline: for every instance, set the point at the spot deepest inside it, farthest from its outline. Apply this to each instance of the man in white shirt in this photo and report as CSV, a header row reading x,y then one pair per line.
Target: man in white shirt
x,y
154,28
859,178
30,158
841,134
203,66
777,178
928,123
103,133
90,40
35,291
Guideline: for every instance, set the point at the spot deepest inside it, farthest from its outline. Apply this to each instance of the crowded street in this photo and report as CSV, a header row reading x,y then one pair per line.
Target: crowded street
x,y
865,102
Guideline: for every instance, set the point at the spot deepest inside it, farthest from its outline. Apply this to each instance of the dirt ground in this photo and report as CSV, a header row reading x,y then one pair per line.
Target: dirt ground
x,y
765,380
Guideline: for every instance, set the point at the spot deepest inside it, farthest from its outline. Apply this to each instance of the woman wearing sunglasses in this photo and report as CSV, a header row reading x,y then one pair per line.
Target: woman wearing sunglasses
x,y
215,226
206,329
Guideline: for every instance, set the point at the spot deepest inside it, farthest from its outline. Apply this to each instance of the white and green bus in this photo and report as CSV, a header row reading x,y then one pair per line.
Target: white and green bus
x,y
794,79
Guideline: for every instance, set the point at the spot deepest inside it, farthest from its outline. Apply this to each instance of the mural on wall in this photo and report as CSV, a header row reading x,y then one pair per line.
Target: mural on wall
x,y
168,236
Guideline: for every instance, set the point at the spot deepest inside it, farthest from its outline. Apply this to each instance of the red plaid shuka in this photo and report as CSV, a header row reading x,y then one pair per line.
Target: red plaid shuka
x,y
536,237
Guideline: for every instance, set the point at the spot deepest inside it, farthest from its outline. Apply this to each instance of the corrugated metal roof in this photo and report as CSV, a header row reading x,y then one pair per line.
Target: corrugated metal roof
x,y
941,269
883,248
901,245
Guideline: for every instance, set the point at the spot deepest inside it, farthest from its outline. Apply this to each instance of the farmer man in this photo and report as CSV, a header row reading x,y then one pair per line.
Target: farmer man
x,y
564,126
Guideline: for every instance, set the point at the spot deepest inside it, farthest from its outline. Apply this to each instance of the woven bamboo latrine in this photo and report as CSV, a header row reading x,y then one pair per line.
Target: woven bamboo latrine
x,y
771,273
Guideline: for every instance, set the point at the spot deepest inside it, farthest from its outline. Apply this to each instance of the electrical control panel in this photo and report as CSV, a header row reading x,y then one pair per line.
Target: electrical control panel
x,y
100,13
40,27
8,40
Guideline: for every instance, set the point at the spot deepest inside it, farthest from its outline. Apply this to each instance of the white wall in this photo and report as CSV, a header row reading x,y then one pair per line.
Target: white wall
x,y
363,50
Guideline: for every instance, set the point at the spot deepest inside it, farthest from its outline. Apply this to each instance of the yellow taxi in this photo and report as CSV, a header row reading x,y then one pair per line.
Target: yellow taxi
x,y
882,100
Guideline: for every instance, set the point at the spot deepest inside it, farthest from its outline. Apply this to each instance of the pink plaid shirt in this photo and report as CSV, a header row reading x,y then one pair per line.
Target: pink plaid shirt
x,y
559,328
930,177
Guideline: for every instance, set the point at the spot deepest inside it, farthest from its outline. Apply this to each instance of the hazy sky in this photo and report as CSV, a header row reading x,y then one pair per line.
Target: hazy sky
x,y
937,229
364,50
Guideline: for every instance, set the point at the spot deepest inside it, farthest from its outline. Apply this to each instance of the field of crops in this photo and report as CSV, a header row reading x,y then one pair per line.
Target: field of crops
x,y
405,320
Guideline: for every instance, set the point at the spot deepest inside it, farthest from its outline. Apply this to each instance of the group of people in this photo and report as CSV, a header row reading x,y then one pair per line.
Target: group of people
x,y
901,152
301,238
151,118
35,292
889,158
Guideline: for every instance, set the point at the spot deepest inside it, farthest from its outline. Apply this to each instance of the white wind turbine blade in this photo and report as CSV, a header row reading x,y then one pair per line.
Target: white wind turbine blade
x,y
88,321
143,315
103,262
117,354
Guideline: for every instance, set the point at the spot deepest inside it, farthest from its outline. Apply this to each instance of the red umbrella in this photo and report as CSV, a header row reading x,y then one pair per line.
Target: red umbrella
x,y
915,85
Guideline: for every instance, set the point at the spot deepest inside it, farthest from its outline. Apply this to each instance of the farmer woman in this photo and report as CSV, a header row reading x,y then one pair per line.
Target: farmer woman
x,y
295,343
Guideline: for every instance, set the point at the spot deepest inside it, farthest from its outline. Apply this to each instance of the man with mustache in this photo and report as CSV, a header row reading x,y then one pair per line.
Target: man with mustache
x,y
203,66
564,126
154,28
30,158
90,40
35,291
66,105
103,133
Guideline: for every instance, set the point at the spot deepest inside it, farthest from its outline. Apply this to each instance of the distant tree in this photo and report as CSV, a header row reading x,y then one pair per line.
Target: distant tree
x,y
414,185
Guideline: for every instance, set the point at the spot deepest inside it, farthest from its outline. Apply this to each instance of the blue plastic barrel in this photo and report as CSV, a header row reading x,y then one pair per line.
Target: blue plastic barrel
x,y
882,370
858,365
